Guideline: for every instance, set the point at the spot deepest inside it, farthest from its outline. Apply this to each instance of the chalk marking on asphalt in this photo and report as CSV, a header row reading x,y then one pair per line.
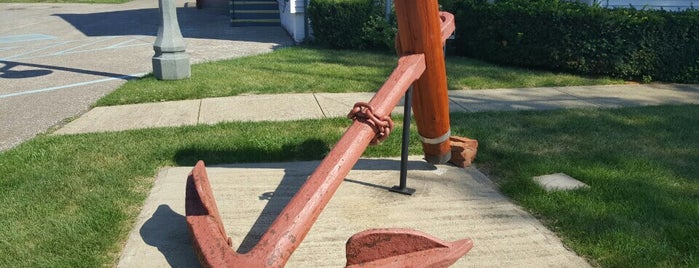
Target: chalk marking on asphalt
x,y
111,47
35,50
100,49
10,48
24,38
70,50
123,77
121,44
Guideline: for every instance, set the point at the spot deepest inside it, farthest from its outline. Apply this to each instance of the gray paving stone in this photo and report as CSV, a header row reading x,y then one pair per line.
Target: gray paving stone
x,y
559,182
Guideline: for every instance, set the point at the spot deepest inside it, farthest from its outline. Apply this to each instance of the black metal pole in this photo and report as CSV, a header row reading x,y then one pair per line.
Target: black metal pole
x,y
402,187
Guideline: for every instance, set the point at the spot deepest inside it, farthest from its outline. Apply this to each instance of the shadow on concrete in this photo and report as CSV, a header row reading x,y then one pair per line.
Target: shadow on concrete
x,y
276,202
295,175
10,74
693,88
7,72
167,230
210,23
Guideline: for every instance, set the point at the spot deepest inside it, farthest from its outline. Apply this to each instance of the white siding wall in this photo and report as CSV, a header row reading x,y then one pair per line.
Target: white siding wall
x,y
291,13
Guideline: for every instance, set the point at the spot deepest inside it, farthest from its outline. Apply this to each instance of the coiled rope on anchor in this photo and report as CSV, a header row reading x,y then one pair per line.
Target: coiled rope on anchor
x,y
364,113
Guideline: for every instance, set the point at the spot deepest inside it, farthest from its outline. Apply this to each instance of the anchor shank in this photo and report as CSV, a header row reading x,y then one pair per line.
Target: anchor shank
x,y
293,223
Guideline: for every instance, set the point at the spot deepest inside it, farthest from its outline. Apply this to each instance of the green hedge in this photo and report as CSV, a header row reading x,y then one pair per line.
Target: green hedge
x,y
632,44
350,24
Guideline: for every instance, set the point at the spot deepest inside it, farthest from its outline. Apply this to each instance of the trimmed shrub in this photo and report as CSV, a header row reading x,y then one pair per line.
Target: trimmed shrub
x,y
351,24
566,36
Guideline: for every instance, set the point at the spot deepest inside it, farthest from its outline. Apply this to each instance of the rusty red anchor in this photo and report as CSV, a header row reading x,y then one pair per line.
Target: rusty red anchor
x,y
372,248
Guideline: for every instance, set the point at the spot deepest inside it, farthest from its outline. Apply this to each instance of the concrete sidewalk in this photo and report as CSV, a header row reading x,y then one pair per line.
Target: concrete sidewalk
x,y
285,107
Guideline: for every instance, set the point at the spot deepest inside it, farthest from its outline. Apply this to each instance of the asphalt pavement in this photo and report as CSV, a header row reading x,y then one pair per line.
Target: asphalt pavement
x,y
56,60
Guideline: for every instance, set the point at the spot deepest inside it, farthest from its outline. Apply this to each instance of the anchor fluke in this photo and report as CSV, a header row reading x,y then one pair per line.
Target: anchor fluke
x,y
402,248
211,243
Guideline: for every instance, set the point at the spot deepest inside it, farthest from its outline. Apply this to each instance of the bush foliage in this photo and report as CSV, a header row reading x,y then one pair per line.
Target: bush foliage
x,y
556,35
632,44
351,24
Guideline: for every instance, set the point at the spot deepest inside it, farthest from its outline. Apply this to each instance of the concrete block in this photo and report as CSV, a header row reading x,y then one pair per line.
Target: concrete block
x,y
559,182
171,66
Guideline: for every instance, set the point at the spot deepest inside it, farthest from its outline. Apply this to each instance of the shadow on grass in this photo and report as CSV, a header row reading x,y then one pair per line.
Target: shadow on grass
x,y
311,149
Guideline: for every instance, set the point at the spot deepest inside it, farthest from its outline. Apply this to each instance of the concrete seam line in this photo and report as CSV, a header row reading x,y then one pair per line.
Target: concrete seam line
x,y
459,105
319,106
580,98
201,101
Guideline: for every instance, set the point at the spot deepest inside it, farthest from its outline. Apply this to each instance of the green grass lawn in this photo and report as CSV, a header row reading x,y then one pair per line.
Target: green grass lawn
x,y
305,69
69,201
642,209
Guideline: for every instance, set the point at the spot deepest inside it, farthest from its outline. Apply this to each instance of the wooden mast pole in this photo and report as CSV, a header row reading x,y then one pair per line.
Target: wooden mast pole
x,y
419,33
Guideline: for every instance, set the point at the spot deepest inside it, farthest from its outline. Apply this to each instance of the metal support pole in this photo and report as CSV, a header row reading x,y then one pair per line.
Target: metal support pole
x,y
402,187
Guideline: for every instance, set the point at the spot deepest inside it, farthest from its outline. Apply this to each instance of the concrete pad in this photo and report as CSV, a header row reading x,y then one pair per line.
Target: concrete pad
x,y
559,182
136,116
282,107
450,203
634,95
515,99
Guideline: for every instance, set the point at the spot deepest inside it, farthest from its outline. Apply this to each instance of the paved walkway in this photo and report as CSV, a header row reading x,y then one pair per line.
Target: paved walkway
x,y
323,105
